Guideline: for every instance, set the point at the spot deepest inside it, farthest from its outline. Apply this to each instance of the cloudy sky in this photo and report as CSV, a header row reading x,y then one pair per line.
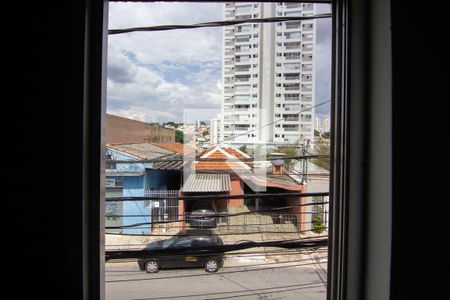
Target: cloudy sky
x,y
156,76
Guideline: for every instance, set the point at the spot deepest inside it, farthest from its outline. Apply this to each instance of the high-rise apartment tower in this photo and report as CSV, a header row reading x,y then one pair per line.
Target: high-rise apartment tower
x,y
268,75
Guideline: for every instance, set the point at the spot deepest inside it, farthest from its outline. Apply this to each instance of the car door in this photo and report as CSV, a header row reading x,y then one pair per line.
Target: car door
x,y
180,260
197,245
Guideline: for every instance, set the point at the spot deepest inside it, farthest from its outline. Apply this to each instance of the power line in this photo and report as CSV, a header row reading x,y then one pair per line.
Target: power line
x,y
188,158
216,197
239,254
271,123
253,253
216,24
219,215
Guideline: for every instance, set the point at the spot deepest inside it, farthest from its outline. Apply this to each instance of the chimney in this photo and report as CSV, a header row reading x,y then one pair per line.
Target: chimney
x,y
277,162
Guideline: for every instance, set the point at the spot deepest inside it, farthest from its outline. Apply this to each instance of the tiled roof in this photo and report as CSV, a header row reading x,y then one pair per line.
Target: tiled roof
x,y
202,182
177,147
221,153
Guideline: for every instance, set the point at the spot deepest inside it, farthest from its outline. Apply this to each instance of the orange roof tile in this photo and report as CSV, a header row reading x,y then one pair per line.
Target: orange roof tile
x,y
177,147
216,153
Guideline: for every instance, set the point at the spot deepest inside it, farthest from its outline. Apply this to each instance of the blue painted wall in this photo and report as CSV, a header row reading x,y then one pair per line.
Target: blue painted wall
x,y
140,177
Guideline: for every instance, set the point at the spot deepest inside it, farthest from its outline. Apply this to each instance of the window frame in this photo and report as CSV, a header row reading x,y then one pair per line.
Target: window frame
x,y
340,270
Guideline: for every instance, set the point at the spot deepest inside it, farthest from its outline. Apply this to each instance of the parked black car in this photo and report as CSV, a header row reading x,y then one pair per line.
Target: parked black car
x,y
203,215
188,244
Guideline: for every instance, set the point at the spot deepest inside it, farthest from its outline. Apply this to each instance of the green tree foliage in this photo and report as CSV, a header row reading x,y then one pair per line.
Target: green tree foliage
x,y
179,136
322,147
318,225
243,148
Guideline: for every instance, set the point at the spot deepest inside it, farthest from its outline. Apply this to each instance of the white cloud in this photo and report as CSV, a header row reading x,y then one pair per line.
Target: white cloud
x,y
188,46
153,76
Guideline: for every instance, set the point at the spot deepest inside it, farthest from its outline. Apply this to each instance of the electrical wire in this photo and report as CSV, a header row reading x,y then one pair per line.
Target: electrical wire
x,y
271,123
146,215
216,197
216,24
215,250
252,253
220,215
188,158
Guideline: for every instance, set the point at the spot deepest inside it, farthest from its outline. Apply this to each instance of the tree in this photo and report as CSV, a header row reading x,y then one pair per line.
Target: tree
x,y
205,133
322,147
179,136
243,148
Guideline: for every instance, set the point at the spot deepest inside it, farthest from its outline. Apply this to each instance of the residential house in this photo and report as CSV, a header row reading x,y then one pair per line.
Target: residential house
x,y
146,179
221,171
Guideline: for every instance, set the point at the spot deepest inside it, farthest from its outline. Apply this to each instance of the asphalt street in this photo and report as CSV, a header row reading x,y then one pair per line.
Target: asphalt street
x,y
299,277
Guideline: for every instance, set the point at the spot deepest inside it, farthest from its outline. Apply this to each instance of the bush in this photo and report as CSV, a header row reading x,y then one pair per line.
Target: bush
x,y
318,225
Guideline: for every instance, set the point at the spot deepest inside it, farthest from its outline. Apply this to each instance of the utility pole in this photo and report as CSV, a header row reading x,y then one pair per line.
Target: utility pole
x,y
305,148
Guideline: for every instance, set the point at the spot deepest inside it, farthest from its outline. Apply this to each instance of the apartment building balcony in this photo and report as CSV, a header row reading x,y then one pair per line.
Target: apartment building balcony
x,y
229,52
306,98
229,34
243,78
307,37
291,77
289,6
291,117
228,71
307,57
243,108
244,61
242,40
306,87
291,99
240,130
229,62
290,127
291,87
242,100
292,46
243,17
307,67
292,36
307,47
229,44
305,128
242,71
306,118
290,67
307,27
228,90
306,77
291,138
308,6
288,107
244,51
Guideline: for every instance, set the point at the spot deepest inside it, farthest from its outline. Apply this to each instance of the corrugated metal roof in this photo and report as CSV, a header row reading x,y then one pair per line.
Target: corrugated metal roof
x,y
202,182
178,163
141,150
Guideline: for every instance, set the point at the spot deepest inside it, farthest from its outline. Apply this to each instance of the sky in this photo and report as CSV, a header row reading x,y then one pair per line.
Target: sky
x,y
172,75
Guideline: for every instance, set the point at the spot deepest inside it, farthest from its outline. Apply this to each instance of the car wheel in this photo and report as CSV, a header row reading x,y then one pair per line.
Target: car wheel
x,y
211,265
152,266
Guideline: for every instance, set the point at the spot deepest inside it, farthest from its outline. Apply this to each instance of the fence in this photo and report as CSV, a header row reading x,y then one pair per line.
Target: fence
x,y
162,209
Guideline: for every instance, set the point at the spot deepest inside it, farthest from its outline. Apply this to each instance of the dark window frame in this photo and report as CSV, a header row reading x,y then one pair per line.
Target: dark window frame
x,y
342,223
